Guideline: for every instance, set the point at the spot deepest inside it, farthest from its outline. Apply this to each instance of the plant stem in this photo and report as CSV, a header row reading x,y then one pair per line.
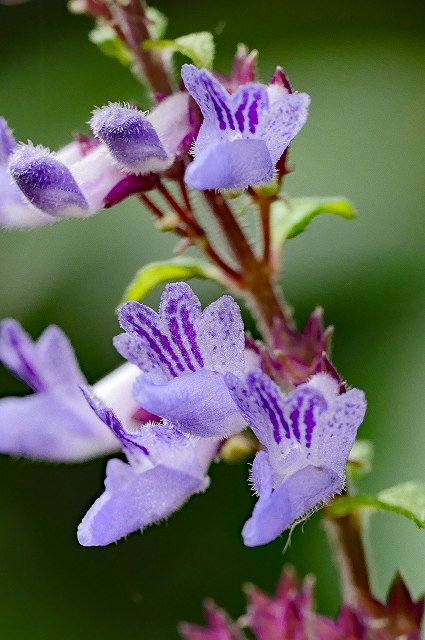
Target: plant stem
x,y
191,230
344,534
257,284
131,22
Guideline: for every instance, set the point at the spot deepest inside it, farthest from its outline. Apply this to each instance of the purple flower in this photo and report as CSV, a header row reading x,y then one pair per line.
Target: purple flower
x,y
47,182
184,354
55,423
15,211
141,143
164,469
307,437
243,135
74,190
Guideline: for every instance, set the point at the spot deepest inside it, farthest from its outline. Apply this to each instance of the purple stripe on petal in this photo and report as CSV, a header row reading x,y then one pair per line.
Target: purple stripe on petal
x,y
253,113
175,335
265,403
127,440
271,406
239,115
219,101
310,418
138,319
295,417
190,332
153,343
15,346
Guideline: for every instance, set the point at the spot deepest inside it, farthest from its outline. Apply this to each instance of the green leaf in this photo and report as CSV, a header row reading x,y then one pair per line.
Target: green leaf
x,y
290,217
156,273
158,23
199,47
407,499
108,42
360,459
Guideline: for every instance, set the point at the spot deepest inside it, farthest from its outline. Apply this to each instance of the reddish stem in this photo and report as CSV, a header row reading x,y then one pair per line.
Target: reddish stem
x,y
191,231
151,205
131,24
264,203
184,216
344,534
256,281
185,194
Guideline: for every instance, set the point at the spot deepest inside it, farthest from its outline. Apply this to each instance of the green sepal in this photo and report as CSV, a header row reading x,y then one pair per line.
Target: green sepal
x,y
155,273
407,499
158,23
289,217
108,42
199,47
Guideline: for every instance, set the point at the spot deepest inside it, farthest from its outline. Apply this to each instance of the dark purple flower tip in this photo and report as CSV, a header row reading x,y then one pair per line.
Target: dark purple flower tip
x,y
131,139
45,181
280,78
244,67
7,141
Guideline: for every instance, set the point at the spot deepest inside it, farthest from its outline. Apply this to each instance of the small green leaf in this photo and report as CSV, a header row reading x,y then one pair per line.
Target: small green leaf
x,y
157,24
407,499
199,47
171,270
360,459
108,42
290,217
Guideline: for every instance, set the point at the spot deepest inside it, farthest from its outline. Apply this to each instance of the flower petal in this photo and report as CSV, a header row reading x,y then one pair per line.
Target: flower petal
x,y
295,497
221,336
15,211
131,139
50,427
180,310
171,121
133,501
45,364
336,431
196,403
251,408
284,120
231,165
46,181
144,326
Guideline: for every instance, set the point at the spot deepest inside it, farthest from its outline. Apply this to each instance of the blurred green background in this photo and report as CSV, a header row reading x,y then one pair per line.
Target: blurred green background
x,y
363,64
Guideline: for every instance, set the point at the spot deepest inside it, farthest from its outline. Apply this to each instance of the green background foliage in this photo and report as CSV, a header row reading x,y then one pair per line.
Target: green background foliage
x,y
363,64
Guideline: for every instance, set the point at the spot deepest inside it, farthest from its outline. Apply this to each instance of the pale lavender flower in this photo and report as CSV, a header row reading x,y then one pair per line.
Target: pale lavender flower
x,y
164,469
55,423
184,354
307,437
142,143
243,135
15,211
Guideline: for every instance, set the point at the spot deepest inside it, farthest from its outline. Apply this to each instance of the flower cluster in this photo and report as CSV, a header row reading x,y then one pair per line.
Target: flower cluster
x,y
289,615
237,131
186,388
